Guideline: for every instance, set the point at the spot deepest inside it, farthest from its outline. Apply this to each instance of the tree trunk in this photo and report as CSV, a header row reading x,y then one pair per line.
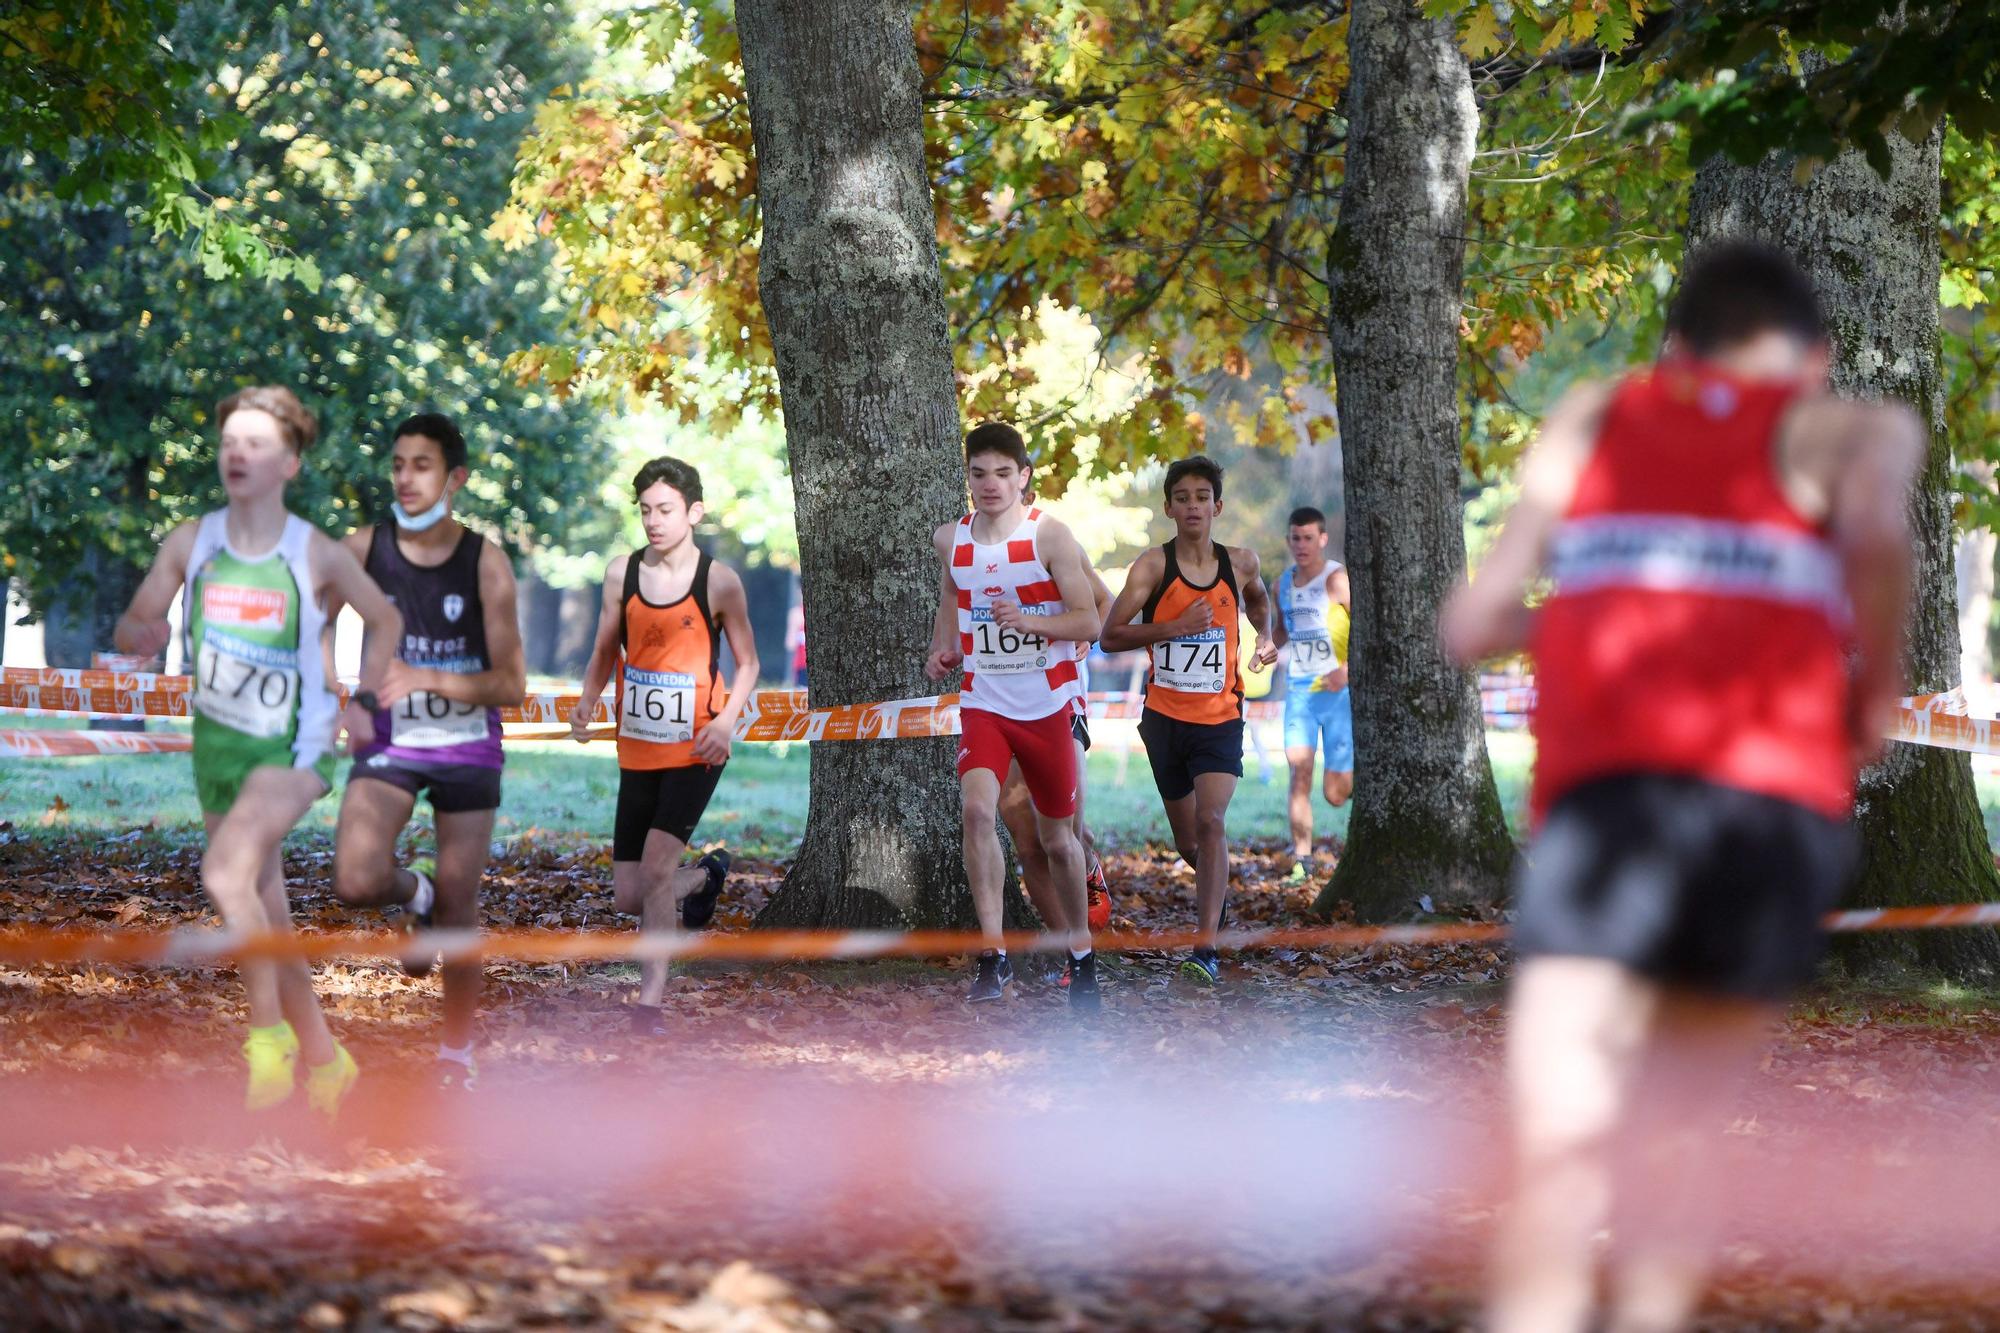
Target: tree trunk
x,y
1426,817
1871,248
850,286
82,616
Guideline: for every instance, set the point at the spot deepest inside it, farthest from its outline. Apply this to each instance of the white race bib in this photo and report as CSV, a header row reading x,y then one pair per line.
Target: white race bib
x,y
1005,652
247,687
1193,665
1312,656
425,721
658,706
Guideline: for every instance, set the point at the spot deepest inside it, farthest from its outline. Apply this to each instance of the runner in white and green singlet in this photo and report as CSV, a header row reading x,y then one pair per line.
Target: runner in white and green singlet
x,y
257,581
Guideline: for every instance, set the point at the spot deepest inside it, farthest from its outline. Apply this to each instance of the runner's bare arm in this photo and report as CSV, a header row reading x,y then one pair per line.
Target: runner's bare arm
x,y
503,683
1870,527
356,541
1100,591
1490,616
1078,620
143,630
1256,601
1338,589
1121,632
603,650
732,607
944,656
342,577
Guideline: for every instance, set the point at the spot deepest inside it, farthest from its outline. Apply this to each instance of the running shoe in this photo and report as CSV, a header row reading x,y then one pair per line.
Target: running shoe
x,y
1202,967
456,1075
1297,874
416,964
327,1085
273,1056
1084,996
995,971
698,908
649,1020
1100,898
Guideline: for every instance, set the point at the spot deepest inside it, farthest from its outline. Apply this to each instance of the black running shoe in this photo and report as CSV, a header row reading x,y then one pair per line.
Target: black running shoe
x,y
1202,967
995,971
698,908
1084,996
649,1020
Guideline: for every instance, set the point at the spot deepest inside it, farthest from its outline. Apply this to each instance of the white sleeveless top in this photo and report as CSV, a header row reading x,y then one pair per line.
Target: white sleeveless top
x,y
1019,676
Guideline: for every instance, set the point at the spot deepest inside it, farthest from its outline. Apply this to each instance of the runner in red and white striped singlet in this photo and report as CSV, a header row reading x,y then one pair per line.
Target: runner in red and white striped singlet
x,y
1013,602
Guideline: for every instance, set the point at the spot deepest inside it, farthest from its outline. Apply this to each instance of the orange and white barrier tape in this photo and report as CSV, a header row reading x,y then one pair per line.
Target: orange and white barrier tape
x,y
771,715
46,944
33,744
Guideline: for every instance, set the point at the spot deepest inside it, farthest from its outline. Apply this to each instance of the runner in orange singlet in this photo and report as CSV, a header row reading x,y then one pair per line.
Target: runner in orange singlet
x,y
1185,596
667,607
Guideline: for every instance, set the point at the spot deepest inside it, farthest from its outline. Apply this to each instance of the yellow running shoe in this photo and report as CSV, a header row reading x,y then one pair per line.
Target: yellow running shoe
x,y
273,1054
328,1084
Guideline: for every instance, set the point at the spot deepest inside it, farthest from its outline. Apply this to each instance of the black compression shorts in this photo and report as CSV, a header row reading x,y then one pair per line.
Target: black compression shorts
x,y
669,799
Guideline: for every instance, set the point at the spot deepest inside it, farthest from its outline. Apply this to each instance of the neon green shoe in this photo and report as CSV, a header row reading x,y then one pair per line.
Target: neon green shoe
x,y
1297,875
328,1084
273,1056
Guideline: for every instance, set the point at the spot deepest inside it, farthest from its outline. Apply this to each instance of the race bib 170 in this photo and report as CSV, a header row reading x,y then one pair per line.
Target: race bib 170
x,y
249,687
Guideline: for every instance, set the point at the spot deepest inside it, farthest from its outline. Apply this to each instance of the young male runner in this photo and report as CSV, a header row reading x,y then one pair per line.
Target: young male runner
x,y
667,608
1186,595
257,581
1013,602
1731,569
1017,811
1313,615
459,660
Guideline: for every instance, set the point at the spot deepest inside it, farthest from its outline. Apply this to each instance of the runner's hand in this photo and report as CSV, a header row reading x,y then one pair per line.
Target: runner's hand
x,y
359,724
1007,614
1195,619
941,664
579,720
1266,653
711,744
1335,679
148,638
400,681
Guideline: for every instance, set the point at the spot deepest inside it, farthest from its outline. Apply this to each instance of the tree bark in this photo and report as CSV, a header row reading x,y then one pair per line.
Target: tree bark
x,y
850,286
1426,817
1871,248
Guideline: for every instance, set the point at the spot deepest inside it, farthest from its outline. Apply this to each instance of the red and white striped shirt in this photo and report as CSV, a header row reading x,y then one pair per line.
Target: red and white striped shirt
x,y
1019,676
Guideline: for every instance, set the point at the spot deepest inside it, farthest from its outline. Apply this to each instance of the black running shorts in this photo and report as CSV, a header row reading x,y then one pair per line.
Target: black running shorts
x,y
1079,727
1181,751
452,788
669,799
1686,882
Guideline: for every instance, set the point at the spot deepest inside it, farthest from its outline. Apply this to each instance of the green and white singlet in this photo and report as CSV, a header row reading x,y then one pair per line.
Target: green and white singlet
x,y
261,695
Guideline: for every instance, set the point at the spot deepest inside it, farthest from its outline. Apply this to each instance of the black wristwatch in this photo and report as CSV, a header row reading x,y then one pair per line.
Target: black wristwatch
x,y
367,699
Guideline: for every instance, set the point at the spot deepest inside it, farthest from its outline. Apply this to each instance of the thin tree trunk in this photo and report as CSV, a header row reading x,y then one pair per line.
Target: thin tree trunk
x,y
1974,563
1426,818
850,286
1871,248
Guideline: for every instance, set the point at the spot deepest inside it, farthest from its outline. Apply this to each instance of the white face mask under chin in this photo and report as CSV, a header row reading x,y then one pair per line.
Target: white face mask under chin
x,y
409,522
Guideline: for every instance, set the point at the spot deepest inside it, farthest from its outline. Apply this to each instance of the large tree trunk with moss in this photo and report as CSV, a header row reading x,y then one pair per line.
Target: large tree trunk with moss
x,y
1871,248
1426,818
850,287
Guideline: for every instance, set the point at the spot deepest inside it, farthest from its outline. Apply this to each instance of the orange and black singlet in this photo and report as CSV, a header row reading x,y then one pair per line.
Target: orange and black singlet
x,y
1194,678
670,674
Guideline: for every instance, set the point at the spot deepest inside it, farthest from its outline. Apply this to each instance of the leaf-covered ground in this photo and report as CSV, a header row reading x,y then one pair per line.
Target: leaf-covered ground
x,y
1313,1145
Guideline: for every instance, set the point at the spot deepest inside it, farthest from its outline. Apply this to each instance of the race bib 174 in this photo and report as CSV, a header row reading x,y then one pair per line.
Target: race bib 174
x,y
1196,664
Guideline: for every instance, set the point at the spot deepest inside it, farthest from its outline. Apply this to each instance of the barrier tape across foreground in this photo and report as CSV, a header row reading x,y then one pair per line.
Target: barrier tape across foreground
x,y
1941,720
48,944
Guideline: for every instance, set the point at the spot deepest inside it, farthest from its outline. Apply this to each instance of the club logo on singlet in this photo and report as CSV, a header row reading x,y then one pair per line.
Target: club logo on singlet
x,y
244,608
454,607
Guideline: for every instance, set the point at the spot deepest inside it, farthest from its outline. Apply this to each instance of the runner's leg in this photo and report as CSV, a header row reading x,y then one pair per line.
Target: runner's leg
x,y
1574,1029
464,843
651,888
1700,1050
1017,812
241,845
295,984
1212,793
985,871
373,814
1298,801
